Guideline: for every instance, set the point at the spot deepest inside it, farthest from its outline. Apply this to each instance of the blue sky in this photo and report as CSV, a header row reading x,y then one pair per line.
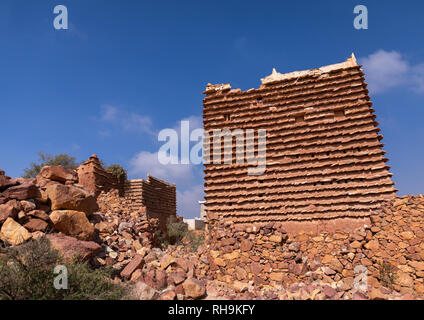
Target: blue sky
x,y
127,69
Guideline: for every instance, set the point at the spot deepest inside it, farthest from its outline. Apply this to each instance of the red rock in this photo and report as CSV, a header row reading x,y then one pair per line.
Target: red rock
x,y
23,192
329,291
179,289
40,214
70,247
194,288
136,263
176,278
255,268
36,225
66,197
9,210
6,182
168,295
161,279
73,223
246,245
58,173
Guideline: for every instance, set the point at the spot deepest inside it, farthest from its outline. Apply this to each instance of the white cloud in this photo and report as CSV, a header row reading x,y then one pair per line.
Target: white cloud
x,y
418,77
128,121
385,70
196,122
146,162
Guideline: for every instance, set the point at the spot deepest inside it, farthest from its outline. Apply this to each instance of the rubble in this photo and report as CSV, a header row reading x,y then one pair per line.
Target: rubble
x,y
252,262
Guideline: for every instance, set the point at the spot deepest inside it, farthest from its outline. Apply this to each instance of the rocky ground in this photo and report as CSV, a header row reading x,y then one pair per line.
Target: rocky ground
x,y
102,231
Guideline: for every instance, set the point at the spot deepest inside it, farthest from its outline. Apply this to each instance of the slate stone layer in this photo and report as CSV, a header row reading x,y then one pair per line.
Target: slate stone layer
x,y
324,158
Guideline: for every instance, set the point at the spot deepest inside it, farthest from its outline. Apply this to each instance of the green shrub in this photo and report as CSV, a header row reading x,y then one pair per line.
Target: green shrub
x,y
176,230
118,171
177,233
194,240
387,274
27,273
49,160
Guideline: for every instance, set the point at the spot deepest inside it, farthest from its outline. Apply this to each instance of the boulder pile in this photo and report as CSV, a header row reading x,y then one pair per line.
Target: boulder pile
x,y
102,230
388,254
384,260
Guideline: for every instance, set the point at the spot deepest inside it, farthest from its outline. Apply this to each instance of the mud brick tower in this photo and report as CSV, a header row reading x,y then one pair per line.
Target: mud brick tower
x,y
325,167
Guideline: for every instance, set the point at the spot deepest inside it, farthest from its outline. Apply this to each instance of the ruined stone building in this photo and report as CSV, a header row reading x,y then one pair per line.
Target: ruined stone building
x,y
153,197
325,167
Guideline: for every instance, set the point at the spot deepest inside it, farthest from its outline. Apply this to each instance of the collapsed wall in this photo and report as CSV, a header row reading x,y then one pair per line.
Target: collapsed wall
x,y
325,167
157,197
92,176
153,197
387,253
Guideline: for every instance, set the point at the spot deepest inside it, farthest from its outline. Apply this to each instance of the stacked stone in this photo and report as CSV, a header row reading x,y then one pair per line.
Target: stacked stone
x,y
133,191
51,203
155,196
324,160
390,249
92,176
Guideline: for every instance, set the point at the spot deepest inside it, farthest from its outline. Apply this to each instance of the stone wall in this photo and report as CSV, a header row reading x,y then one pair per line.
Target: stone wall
x,y
391,247
155,196
92,176
324,160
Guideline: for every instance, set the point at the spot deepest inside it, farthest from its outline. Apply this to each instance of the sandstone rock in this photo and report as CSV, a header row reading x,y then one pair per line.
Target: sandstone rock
x,y
6,182
276,239
407,235
240,286
58,173
70,247
137,275
39,214
143,291
28,205
404,280
168,295
105,227
220,262
246,245
72,223
67,197
177,278
255,268
231,256
356,244
240,273
417,265
136,263
194,288
294,246
376,294
166,261
23,192
372,245
276,276
9,210
329,291
13,232
34,225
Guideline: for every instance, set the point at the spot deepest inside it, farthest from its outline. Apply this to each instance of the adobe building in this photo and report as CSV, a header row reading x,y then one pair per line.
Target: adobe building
x,y
325,167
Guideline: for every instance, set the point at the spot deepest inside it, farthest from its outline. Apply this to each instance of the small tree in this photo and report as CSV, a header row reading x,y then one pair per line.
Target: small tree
x,y
118,171
49,160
